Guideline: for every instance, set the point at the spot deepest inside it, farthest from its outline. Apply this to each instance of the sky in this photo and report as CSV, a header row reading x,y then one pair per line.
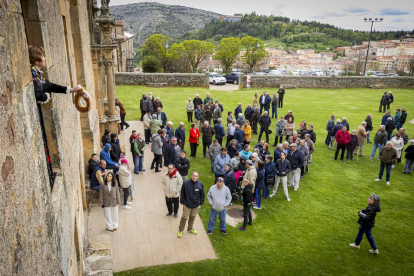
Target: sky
x,y
397,14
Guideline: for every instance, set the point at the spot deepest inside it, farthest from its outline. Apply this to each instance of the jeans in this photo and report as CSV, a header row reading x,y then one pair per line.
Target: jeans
x,y
258,197
349,154
389,137
212,219
126,195
205,147
139,164
328,139
368,232
229,138
368,141
399,125
274,111
261,132
382,107
147,133
342,148
388,168
96,188
374,149
266,191
193,147
409,165
247,215
170,201
123,123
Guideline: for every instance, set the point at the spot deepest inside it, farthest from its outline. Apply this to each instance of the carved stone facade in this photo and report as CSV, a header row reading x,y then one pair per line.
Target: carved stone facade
x,y
42,229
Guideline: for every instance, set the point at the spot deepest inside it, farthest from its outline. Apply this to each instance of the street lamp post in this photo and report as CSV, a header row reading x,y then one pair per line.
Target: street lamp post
x,y
369,42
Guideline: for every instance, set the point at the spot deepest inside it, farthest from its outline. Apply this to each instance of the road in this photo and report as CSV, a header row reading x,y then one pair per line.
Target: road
x,y
226,87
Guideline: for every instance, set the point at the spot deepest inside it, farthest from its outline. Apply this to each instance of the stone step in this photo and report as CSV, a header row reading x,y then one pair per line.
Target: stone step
x,y
377,86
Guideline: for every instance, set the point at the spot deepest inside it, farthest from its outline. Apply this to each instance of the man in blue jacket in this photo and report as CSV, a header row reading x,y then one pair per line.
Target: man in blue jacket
x,y
264,102
219,129
329,126
161,117
105,155
277,152
238,110
295,159
98,175
197,115
192,197
239,135
221,160
180,135
170,130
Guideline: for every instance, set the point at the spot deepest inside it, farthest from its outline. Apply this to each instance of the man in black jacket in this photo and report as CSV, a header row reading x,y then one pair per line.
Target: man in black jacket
x,y
197,101
239,135
180,134
192,197
281,93
368,127
264,102
183,165
115,151
264,123
295,159
335,129
172,152
384,102
311,133
402,119
255,119
93,163
248,113
390,100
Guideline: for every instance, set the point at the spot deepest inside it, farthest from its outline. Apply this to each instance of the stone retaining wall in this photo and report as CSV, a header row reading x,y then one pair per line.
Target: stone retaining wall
x,y
163,79
328,82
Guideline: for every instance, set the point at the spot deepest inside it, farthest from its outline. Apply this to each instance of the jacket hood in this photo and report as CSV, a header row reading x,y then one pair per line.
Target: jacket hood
x,y
107,147
113,137
250,186
243,158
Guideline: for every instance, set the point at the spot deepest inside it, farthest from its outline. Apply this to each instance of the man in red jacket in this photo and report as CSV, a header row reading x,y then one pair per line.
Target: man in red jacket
x,y
342,138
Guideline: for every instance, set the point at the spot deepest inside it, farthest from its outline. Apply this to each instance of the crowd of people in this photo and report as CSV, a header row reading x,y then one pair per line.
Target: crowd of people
x,y
237,164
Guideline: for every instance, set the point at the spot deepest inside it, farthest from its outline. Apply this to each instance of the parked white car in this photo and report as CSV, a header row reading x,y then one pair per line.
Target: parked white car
x,y
295,72
217,79
275,72
319,73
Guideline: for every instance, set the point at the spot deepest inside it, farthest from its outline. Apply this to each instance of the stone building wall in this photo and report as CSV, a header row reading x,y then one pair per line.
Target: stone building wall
x,y
163,79
328,82
41,230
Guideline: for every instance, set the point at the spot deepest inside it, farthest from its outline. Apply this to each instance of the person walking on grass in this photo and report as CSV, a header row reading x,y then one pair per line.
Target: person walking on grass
x,y
125,181
384,102
192,197
409,158
281,93
109,200
171,185
342,138
368,127
389,127
379,140
274,106
282,170
387,156
367,222
219,197
329,126
247,200
398,144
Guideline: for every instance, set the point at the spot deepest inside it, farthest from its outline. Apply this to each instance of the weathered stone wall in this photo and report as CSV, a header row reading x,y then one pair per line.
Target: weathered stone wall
x,y
166,79
41,229
328,82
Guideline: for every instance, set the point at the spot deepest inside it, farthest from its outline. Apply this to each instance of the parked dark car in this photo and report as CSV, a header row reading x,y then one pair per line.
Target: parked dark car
x,y
232,77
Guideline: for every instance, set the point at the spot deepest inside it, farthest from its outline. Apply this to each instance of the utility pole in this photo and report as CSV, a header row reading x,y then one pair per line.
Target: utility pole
x,y
369,42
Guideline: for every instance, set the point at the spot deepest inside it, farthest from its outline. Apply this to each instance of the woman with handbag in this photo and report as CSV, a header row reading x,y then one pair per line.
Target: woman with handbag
x,y
194,140
247,132
270,172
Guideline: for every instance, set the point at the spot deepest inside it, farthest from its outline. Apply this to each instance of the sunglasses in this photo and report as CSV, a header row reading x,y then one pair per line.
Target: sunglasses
x,y
219,180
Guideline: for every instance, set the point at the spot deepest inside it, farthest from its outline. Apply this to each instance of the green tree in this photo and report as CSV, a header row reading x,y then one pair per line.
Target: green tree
x,y
228,52
155,46
150,64
195,51
254,51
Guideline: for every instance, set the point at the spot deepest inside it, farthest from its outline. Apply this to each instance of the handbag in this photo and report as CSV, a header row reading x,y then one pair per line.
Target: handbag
x,y
270,181
248,140
198,142
269,131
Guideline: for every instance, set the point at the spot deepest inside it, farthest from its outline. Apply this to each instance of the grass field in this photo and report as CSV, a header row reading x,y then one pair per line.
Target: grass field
x,y
310,234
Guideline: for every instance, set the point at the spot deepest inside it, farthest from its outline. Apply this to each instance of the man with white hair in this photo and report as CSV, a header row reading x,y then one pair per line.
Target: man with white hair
x,y
170,130
161,117
409,158
240,119
390,99
345,123
238,109
197,101
157,103
264,102
216,101
387,156
180,134
379,140
281,93
362,135
207,133
264,123
248,113
296,160
231,128
219,129
208,99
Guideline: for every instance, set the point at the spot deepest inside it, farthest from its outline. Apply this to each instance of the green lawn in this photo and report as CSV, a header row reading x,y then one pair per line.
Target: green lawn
x,y
310,234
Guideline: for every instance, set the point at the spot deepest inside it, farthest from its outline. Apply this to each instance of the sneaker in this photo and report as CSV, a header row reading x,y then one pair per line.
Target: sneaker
x,y
224,232
258,208
288,198
249,223
193,231
393,166
143,170
272,195
388,183
180,234
126,207
371,158
374,251
334,159
209,232
377,179
354,245
296,189
168,215
306,173
242,229
176,216
301,177
129,202
404,172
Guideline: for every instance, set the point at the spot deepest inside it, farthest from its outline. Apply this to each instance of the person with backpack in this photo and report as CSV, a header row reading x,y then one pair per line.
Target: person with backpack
x,y
367,222
247,199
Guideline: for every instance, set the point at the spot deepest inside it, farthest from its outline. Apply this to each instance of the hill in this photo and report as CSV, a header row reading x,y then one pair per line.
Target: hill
x,y
146,19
